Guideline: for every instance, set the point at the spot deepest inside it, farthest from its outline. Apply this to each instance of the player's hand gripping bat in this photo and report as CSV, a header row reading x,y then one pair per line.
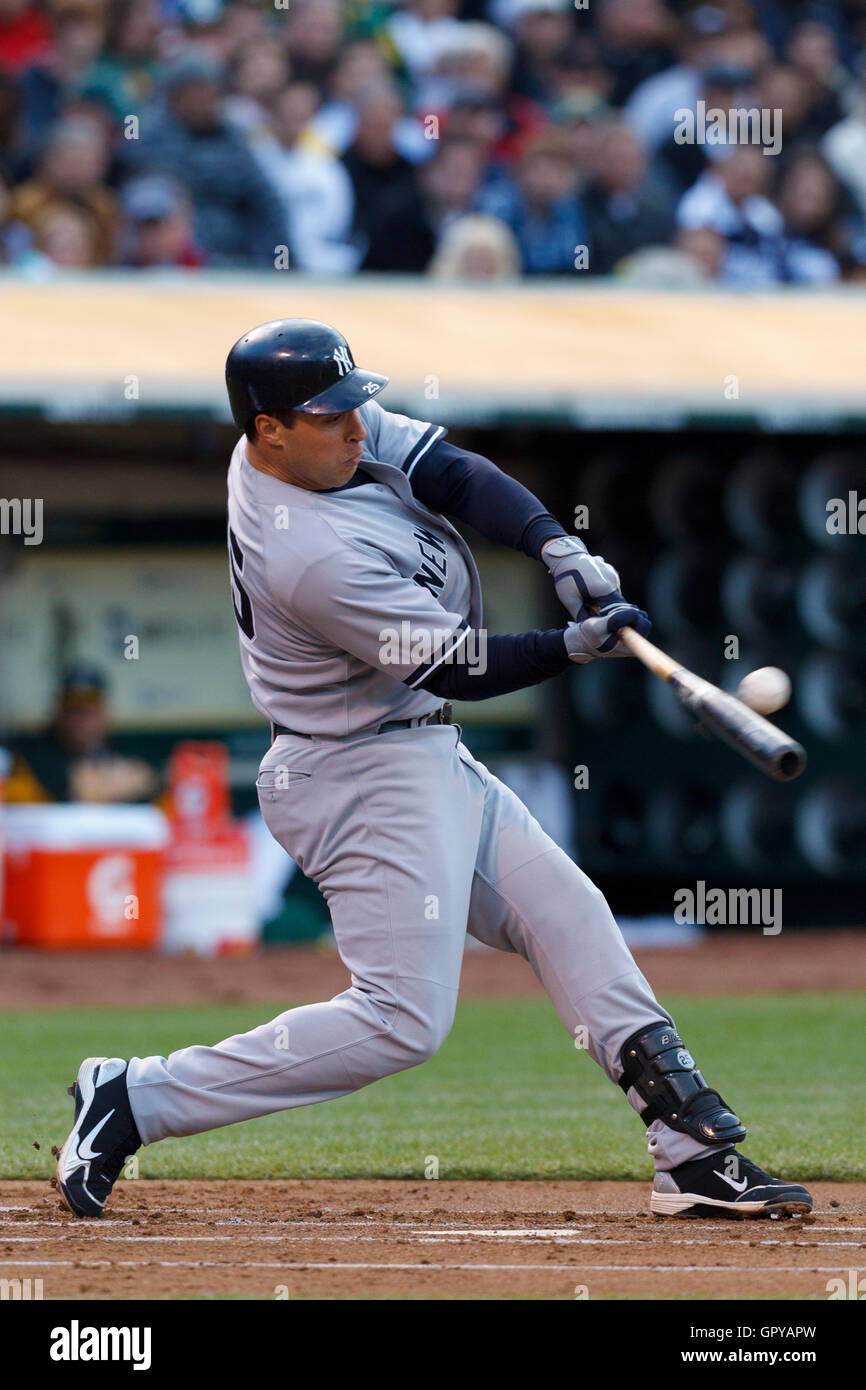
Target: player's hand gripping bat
x,y
748,733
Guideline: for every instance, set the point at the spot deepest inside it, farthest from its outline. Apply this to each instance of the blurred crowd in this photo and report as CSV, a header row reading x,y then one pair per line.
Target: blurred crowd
x,y
463,139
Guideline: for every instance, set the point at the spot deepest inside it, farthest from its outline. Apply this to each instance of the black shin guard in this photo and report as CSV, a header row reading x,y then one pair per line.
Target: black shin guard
x,y
662,1071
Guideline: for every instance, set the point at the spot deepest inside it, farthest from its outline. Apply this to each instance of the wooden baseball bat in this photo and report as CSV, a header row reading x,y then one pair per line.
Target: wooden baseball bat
x,y
748,733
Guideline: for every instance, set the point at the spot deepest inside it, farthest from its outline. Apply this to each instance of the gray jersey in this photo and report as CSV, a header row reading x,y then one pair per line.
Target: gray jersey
x,y
346,600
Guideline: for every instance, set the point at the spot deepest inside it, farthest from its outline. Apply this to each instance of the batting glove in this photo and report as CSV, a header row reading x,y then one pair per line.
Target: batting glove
x,y
595,637
583,582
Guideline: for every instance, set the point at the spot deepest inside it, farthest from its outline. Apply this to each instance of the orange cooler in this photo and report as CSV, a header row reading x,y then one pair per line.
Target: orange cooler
x,y
84,875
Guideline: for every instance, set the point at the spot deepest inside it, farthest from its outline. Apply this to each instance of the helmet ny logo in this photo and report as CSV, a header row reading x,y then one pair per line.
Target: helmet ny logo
x,y
343,360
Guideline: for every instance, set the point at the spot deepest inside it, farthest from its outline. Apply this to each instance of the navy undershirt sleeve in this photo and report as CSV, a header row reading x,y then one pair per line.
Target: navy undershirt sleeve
x,y
510,662
468,486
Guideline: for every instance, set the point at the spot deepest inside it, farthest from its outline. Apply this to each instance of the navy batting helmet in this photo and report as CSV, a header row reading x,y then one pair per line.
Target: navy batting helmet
x,y
295,364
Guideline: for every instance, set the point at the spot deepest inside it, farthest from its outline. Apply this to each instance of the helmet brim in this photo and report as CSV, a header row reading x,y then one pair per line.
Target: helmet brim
x,y
348,393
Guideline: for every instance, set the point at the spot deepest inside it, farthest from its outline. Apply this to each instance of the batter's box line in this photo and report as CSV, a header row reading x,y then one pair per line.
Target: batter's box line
x,y
447,1230
96,1237
430,1268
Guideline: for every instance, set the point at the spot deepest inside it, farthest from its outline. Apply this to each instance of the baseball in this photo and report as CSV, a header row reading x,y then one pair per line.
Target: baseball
x,y
765,690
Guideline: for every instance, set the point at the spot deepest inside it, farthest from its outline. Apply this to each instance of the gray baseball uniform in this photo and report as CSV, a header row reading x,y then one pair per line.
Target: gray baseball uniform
x,y
411,840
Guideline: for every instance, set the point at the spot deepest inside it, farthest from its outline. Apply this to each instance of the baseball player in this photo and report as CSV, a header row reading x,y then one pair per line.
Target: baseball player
x,y
359,611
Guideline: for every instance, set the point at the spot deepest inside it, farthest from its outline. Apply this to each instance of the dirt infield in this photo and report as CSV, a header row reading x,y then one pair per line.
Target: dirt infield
x,y
351,1239
417,1239
727,963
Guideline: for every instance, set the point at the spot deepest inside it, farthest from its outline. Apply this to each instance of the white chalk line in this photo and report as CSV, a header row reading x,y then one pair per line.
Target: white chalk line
x,y
319,1224
548,1268
725,1227
419,1237
249,1214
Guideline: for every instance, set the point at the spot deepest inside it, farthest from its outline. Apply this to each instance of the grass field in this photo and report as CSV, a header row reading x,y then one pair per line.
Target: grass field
x,y
507,1097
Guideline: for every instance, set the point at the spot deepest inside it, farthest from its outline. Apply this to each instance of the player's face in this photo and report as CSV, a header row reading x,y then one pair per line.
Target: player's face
x,y
322,451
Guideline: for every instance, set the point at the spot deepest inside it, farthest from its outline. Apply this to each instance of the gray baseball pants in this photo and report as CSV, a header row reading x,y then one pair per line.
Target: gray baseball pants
x,y
413,843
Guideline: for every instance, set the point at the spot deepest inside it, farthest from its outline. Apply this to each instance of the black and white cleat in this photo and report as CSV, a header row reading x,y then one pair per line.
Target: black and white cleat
x,y
726,1184
102,1137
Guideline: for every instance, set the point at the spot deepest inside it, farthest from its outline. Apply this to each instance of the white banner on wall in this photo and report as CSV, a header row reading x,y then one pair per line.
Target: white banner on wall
x,y
158,623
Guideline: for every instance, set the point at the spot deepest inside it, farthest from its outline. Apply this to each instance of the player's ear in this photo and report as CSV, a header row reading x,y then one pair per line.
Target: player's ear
x,y
267,429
